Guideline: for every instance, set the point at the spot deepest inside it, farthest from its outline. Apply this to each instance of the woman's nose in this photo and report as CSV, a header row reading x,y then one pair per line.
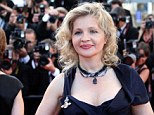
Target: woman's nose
x,y
85,37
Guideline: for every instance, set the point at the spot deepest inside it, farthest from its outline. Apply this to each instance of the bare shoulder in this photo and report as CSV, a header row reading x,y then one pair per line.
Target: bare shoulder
x,y
57,85
50,101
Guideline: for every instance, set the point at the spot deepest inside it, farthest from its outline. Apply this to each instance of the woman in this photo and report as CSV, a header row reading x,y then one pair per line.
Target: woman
x,y
141,67
93,82
143,52
11,101
146,32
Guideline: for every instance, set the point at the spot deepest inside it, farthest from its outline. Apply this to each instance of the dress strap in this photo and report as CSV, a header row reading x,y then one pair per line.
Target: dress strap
x,y
69,76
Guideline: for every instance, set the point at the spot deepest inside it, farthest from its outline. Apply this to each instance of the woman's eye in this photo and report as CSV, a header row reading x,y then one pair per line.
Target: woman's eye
x,y
77,33
93,31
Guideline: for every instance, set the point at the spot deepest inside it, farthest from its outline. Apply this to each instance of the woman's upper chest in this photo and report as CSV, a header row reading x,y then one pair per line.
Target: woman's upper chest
x,y
107,88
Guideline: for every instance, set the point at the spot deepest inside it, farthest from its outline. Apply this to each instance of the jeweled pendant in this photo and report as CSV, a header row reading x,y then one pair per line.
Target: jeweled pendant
x,y
95,80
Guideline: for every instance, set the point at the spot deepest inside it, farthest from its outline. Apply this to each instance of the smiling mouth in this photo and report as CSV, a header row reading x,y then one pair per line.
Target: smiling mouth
x,y
86,46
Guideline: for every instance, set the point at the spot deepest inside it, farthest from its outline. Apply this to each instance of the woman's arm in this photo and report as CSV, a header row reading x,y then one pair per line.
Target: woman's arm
x,y
50,102
18,105
8,9
144,75
143,109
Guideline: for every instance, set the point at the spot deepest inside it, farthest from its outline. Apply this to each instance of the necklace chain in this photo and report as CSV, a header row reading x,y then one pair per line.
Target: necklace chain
x,y
99,73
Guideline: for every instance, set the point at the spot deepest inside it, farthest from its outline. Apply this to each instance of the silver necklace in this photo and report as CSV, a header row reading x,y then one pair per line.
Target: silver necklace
x,y
99,73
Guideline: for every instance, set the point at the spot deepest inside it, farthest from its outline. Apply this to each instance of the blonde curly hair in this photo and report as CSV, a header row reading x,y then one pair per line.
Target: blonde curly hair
x,y
3,42
68,55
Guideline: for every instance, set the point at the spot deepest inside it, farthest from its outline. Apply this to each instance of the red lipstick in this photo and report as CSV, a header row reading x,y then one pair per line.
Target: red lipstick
x,y
86,46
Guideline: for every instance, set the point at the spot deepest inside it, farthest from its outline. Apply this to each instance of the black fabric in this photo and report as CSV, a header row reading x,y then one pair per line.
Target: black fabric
x,y
140,68
132,83
39,81
23,73
130,34
147,83
133,92
42,32
9,88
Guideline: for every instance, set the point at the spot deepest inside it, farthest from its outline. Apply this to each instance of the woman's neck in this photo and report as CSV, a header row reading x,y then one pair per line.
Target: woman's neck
x,y
91,66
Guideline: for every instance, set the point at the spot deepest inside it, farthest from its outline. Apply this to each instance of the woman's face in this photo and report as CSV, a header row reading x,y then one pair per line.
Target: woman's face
x,y
87,37
142,58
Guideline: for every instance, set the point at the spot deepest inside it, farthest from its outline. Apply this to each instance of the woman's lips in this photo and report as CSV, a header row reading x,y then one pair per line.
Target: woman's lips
x,y
86,46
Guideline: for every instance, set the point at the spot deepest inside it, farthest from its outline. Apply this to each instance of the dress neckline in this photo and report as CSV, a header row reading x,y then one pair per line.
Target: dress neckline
x,y
108,102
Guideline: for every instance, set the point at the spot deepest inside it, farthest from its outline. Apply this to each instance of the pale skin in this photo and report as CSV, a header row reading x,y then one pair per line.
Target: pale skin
x,y
144,75
48,105
89,49
18,105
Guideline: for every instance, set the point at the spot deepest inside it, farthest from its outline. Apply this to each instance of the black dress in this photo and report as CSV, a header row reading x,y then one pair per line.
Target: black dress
x,y
133,92
9,88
